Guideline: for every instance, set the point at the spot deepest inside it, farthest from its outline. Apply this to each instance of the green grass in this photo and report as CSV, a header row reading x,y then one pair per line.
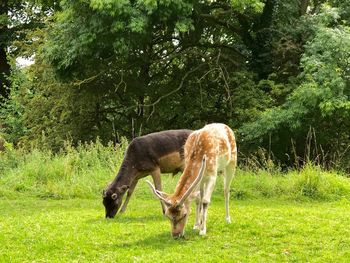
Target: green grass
x,y
83,172
261,231
51,211
80,172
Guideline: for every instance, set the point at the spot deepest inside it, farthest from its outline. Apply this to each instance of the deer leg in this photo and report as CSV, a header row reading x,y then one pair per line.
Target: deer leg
x,y
229,173
158,184
128,195
198,210
207,192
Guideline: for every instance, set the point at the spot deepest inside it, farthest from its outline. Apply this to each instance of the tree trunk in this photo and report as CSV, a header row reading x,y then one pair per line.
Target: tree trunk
x,y
261,50
4,65
303,6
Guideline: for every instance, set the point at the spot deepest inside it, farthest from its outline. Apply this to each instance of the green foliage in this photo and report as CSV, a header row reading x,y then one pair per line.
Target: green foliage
x,y
141,34
108,68
4,19
254,5
12,110
322,98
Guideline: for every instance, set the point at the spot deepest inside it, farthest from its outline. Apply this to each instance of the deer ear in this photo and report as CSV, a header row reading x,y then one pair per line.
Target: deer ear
x,y
114,196
123,188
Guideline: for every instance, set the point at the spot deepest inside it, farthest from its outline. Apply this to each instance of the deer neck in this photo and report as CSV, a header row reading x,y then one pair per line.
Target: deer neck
x,y
125,176
188,177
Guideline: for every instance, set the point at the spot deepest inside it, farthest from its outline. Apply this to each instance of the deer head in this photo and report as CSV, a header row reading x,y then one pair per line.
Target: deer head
x,y
178,207
112,199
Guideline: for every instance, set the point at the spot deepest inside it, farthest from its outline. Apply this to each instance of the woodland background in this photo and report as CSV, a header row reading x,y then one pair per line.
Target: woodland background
x,y
276,71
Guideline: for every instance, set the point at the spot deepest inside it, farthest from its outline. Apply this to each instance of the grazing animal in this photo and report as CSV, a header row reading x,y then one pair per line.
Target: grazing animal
x,y
208,151
152,154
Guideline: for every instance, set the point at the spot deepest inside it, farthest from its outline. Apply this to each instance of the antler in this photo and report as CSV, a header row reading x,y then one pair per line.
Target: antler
x,y
195,183
158,194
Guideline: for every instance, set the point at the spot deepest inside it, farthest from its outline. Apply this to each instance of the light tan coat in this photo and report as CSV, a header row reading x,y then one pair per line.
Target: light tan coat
x,y
208,151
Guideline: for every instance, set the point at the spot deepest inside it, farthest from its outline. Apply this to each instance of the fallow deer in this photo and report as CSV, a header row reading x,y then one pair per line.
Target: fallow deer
x,y
208,151
152,154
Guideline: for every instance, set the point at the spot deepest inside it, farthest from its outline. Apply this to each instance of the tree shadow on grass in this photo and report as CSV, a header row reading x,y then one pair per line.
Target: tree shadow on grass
x,y
138,219
120,219
159,241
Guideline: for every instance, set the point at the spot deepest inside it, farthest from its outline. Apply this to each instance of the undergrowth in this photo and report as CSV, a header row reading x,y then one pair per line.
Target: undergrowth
x,y
73,172
311,182
83,172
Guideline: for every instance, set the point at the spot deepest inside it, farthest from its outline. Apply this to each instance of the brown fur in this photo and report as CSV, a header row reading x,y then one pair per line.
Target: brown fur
x,y
152,154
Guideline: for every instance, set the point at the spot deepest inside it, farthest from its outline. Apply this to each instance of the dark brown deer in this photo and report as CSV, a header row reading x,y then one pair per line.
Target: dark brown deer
x,y
152,154
208,151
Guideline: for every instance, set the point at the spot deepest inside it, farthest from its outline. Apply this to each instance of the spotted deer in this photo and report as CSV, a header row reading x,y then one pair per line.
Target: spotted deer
x,y
152,154
208,151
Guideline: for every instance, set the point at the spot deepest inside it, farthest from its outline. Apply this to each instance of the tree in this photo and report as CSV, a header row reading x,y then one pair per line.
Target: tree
x,y
4,65
322,100
137,56
17,19
125,68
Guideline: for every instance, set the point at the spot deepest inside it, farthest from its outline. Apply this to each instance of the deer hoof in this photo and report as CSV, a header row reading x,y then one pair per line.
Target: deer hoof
x,y
203,232
228,220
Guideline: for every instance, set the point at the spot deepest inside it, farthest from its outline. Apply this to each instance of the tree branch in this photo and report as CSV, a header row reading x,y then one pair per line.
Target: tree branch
x,y
172,92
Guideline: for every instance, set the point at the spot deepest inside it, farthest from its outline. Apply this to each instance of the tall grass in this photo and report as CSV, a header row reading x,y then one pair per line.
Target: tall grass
x,y
85,170
74,172
309,183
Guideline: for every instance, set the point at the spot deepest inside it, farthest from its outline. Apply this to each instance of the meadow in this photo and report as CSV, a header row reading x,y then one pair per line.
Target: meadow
x,y
51,211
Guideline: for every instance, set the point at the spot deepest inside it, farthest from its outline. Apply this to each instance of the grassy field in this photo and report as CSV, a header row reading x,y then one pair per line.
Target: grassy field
x,y
51,211
261,230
